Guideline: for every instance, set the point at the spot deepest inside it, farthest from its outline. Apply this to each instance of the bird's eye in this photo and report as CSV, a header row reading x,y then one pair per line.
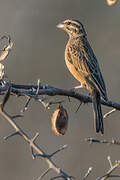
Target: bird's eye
x,y
68,23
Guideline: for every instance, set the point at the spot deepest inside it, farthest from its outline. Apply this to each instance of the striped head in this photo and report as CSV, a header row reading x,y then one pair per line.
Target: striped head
x,y
74,28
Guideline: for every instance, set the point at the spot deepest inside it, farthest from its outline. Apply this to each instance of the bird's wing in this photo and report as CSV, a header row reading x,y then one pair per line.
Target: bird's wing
x,y
86,63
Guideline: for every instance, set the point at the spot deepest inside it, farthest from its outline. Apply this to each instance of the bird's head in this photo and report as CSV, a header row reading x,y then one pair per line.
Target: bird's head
x,y
74,28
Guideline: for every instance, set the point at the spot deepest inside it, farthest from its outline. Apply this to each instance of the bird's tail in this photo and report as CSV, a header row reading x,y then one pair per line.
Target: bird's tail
x,y
98,117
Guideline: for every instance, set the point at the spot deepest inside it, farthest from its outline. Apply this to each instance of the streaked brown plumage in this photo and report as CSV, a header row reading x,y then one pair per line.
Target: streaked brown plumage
x,y
83,65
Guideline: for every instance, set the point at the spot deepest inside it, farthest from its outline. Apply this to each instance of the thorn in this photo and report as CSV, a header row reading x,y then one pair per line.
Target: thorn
x,y
17,116
41,155
12,134
78,107
109,113
38,88
46,105
32,141
26,105
110,162
33,89
35,137
88,173
60,149
40,177
90,169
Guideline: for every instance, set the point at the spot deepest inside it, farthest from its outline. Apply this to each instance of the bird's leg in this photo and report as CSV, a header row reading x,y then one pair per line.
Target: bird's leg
x,y
77,87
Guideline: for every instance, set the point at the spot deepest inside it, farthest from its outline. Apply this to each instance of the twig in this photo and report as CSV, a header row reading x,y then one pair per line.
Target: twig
x,y
52,154
31,142
59,150
48,104
109,113
87,173
94,140
38,88
44,173
110,162
109,172
78,107
26,105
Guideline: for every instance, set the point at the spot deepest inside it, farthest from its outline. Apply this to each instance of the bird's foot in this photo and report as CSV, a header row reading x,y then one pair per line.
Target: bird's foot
x,y
77,87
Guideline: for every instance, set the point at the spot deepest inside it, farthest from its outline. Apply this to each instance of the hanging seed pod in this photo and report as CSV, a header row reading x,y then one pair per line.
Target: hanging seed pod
x,y
59,121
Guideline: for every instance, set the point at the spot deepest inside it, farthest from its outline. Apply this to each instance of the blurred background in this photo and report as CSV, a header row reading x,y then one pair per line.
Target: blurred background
x,y
39,53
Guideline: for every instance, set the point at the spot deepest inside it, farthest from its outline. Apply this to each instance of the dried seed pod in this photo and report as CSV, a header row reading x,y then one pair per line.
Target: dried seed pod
x,y
59,121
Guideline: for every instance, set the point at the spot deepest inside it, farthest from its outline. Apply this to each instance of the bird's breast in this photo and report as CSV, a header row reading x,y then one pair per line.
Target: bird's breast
x,y
72,68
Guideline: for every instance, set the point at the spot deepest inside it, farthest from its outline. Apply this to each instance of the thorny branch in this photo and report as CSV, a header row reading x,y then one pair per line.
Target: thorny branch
x,y
112,167
38,150
31,142
29,91
110,171
34,91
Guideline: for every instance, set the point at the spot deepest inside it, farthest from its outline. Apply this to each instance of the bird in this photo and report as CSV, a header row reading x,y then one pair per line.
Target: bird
x,y
83,65
7,48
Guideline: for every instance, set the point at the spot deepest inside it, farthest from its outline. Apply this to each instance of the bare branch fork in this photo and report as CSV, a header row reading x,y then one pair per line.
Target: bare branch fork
x,y
112,167
31,142
111,170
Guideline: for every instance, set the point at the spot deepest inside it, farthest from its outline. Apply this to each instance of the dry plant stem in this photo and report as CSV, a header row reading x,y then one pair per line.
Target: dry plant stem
x,y
111,170
108,174
93,140
87,173
40,177
32,144
109,113
30,91
110,162
26,105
